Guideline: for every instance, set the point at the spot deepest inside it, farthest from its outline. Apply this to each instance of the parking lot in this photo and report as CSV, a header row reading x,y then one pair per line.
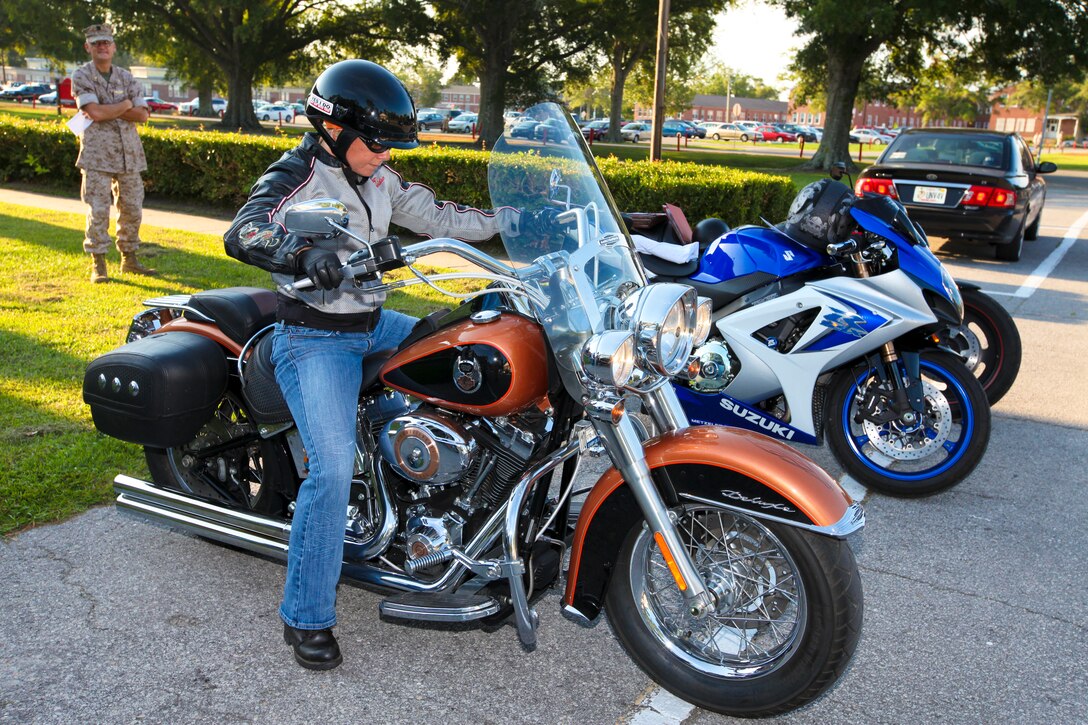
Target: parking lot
x,y
975,602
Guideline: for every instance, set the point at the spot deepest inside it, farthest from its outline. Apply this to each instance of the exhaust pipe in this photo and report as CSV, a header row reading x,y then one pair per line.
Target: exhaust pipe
x,y
259,534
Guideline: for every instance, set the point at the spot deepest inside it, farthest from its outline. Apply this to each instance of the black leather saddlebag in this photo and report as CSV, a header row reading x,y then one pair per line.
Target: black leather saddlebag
x,y
157,391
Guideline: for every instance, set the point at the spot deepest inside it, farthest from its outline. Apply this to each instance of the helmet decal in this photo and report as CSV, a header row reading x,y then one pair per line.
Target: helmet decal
x,y
320,104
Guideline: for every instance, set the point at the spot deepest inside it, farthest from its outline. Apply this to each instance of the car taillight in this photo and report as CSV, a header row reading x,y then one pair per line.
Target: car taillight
x,y
989,196
884,187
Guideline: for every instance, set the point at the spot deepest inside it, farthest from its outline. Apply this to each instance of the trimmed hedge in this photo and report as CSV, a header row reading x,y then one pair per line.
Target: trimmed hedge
x,y
219,168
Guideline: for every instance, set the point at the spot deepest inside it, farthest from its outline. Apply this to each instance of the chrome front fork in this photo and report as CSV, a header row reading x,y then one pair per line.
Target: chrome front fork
x,y
624,446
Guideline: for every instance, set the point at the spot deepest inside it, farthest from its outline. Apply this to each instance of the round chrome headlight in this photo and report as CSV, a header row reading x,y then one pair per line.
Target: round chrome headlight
x,y
609,358
702,320
662,316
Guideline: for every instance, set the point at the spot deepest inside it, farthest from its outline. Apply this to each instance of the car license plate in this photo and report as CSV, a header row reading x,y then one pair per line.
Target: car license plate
x,y
929,194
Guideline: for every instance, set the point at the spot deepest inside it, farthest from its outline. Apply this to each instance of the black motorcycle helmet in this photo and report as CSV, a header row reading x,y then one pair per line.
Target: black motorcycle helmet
x,y
366,101
820,214
708,231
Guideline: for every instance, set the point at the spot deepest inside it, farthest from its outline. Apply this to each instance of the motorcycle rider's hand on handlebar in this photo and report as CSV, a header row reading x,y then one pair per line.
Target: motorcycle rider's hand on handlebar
x,y
323,268
540,223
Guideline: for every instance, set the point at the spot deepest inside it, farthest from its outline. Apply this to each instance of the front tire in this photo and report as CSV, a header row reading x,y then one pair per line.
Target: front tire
x,y
987,342
252,475
744,137
933,453
786,627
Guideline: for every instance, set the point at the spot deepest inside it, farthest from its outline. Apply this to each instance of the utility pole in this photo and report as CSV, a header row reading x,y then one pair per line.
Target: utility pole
x,y
659,79
728,96
1042,135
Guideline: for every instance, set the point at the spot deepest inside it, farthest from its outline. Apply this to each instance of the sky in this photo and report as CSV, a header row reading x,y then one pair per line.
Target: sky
x,y
756,39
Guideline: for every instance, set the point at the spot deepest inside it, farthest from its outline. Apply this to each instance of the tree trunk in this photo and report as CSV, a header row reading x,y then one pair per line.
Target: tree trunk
x,y
844,67
204,90
621,69
240,113
492,91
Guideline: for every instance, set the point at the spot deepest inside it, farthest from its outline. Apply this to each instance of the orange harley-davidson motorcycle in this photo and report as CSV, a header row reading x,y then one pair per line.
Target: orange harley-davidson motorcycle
x,y
719,554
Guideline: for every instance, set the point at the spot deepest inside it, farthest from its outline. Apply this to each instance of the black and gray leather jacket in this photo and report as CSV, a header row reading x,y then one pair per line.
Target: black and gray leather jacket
x,y
257,235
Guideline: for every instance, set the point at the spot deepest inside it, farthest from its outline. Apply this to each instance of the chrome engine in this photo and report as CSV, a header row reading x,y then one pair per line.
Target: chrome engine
x,y
713,367
428,448
450,473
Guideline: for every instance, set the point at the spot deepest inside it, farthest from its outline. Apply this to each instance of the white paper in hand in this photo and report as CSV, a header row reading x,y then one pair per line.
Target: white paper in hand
x,y
79,123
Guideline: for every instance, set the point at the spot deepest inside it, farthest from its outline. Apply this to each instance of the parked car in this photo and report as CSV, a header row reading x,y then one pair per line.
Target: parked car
x,y
750,125
51,99
276,112
429,121
463,123
258,104
801,132
524,128
869,136
964,184
696,129
730,131
298,108
671,127
635,131
552,130
26,92
157,105
598,127
190,107
777,135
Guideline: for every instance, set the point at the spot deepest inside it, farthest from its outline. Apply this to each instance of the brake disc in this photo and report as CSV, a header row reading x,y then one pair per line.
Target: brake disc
x,y
910,443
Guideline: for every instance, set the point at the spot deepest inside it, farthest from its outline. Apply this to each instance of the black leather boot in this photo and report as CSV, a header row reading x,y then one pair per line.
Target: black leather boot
x,y
315,649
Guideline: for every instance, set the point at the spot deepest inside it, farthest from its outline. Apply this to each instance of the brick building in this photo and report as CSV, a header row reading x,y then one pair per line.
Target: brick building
x,y
1028,122
464,98
880,114
734,108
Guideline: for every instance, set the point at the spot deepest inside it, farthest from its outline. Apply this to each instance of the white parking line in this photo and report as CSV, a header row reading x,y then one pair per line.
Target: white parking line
x,y
660,707
1048,265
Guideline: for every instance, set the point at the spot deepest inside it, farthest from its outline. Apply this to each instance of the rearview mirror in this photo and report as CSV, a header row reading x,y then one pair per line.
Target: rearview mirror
x,y
311,219
1046,167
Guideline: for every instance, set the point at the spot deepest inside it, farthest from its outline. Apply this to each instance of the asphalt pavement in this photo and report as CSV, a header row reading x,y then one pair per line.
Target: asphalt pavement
x,y
975,599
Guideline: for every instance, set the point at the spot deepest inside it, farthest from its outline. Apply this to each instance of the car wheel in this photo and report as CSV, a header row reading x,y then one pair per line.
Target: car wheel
x,y
716,137
1032,232
779,140
634,139
744,137
1011,251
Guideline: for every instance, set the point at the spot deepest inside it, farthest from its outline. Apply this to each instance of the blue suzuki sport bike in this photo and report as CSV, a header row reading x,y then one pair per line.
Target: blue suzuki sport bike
x,y
825,328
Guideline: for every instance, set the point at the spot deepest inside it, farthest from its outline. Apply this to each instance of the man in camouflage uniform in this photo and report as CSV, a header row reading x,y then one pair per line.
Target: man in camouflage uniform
x,y
110,155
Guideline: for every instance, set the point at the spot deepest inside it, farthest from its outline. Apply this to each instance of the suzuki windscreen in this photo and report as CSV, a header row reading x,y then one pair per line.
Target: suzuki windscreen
x,y
572,250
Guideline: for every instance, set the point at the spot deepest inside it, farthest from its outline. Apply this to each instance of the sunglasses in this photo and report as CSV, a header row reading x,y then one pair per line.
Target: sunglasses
x,y
100,43
374,146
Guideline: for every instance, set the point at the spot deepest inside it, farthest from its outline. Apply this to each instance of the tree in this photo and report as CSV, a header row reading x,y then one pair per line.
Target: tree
x,y
628,39
422,78
251,40
851,40
941,94
519,50
50,28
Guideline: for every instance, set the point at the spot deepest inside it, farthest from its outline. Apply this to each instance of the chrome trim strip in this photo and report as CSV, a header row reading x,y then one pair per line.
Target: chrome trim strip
x,y
852,520
400,610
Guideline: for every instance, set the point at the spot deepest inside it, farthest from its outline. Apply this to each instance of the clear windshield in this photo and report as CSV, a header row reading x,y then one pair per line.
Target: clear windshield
x,y
583,263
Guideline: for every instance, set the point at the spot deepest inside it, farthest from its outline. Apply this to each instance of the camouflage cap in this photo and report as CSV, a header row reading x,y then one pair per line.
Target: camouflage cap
x,y
99,31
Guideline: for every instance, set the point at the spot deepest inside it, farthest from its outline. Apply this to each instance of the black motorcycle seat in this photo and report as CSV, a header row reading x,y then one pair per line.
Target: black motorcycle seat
x,y
664,268
239,311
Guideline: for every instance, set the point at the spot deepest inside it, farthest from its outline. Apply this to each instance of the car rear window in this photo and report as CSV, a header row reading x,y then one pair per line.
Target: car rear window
x,y
952,149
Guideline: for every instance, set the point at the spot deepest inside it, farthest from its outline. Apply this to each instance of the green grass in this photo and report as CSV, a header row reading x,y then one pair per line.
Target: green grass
x,y
53,321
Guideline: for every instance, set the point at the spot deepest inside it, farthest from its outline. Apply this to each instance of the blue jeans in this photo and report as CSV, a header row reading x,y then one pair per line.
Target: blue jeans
x,y
320,372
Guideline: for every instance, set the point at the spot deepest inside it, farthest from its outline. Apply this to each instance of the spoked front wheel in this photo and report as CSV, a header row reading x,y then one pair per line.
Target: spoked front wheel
x,y
787,621
909,454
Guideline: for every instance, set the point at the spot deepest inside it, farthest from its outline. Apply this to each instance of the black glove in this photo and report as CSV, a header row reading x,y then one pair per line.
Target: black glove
x,y
539,223
323,268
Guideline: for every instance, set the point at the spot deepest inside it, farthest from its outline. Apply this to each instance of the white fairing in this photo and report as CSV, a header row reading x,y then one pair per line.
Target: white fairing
x,y
766,372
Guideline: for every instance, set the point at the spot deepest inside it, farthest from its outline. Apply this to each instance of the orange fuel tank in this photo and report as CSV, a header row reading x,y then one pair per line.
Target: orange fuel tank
x,y
491,364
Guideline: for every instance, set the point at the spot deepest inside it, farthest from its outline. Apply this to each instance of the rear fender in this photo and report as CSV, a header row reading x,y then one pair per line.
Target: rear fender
x,y
734,469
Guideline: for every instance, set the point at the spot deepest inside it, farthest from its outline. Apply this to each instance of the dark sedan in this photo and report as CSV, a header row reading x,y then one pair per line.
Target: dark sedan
x,y
430,121
964,184
524,129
